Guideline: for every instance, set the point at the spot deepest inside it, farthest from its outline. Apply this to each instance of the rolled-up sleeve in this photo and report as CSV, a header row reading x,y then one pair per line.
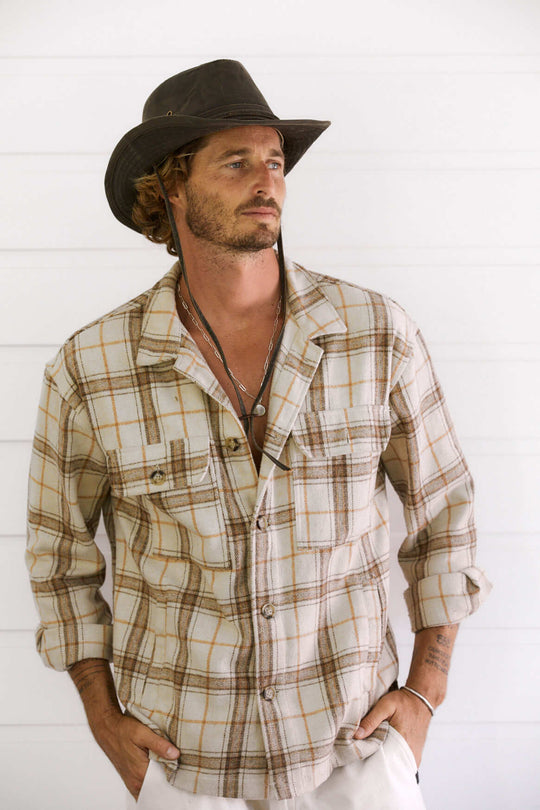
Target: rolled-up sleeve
x,y
427,469
67,487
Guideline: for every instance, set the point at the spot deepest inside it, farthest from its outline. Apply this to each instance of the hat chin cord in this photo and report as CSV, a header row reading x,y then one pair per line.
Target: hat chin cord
x,y
245,417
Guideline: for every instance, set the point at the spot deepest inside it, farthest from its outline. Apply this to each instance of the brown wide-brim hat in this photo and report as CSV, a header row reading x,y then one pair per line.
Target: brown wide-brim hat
x,y
209,98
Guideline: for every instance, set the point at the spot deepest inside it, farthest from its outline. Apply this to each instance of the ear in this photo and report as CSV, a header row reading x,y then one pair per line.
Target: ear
x,y
178,198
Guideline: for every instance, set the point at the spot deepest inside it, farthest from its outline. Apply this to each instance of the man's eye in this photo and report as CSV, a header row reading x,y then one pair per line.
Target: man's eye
x,y
275,164
236,164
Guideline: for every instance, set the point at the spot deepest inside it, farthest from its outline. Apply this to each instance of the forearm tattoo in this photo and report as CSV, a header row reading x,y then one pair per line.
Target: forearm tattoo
x,y
437,657
92,674
443,641
87,678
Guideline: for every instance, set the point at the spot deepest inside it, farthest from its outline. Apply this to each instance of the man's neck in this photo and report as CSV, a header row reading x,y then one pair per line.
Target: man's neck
x,y
231,287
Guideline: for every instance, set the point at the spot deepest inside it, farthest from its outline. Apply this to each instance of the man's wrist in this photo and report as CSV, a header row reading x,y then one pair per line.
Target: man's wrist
x,y
433,690
422,698
430,663
94,682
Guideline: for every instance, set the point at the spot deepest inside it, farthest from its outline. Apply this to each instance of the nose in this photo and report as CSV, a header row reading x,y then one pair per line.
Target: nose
x,y
264,181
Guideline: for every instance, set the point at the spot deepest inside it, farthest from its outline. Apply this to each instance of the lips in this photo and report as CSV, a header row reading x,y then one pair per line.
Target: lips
x,y
261,212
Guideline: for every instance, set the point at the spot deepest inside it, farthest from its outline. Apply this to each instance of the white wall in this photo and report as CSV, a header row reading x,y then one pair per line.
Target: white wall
x,y
426,187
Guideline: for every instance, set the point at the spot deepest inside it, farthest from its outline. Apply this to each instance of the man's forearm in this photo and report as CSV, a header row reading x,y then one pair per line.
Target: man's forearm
x,y
428,673
94,681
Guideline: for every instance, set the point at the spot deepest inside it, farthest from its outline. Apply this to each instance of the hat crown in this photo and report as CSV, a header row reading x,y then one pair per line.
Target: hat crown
x,y
220,89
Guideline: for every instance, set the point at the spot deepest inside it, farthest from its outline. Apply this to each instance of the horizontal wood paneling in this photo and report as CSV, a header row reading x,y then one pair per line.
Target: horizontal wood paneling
x,y
62,28
397,103
56,771
458,306
425,187
336,256
481,766
58,302
405,208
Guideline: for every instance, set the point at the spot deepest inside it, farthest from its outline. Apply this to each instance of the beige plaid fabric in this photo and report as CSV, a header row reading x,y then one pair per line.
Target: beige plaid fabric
x,y
249,610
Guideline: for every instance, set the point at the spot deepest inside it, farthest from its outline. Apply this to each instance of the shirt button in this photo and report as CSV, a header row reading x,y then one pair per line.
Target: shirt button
x,y
261,522
232,444
268,610
269,693
158,477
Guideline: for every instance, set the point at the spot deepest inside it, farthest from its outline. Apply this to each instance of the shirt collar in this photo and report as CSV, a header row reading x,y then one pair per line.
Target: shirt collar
x,y
162,331
163,334
313,312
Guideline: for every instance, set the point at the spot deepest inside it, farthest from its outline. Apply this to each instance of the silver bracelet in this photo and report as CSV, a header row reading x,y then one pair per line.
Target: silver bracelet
x,y
424,700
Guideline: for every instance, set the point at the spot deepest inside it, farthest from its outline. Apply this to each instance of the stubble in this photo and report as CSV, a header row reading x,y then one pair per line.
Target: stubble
x,y
209,219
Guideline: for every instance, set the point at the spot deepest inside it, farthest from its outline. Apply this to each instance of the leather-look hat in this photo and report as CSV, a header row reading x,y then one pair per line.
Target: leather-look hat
x,y
209,98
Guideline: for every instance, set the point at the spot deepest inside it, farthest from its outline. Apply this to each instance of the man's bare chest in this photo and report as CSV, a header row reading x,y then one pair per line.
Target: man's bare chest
x,y
246,356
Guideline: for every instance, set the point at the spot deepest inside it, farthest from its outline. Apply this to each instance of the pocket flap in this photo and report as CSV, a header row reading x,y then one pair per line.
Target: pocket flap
x,y
149,468
360,429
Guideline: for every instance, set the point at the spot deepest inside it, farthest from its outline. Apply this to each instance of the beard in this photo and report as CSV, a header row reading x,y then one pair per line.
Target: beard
x,y
208,218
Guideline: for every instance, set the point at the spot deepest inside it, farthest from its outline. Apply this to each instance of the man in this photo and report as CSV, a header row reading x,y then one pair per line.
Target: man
x,y
235,426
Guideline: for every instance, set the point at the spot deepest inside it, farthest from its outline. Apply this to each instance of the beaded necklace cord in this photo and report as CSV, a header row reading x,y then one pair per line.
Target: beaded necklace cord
x,y
259,410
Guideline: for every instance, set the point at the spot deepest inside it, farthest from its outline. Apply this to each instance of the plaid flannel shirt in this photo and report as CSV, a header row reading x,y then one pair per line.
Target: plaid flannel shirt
x,y
250,624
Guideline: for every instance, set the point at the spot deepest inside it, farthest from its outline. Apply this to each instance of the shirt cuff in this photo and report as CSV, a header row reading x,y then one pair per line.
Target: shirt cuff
x,y
60,648
446,598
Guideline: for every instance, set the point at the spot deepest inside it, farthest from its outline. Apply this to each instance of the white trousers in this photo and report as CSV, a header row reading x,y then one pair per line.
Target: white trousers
x,y
384,781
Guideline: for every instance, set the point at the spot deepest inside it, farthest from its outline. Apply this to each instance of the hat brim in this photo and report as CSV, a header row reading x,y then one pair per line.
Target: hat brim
x,y
150,142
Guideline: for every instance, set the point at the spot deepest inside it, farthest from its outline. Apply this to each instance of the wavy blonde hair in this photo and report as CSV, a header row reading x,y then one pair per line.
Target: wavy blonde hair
x,y
149,212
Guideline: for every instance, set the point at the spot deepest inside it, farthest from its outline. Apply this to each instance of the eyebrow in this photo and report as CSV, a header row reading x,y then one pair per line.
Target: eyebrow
x,y
245,151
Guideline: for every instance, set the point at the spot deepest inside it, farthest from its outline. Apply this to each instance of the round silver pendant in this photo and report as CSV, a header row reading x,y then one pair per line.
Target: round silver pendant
x,y
259,410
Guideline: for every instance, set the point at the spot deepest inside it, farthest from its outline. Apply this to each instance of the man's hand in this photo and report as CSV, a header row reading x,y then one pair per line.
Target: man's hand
x,y
127,743
428,675
125,740
406,713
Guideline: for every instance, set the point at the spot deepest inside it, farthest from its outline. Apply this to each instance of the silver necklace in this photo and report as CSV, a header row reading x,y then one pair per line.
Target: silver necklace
x,y
259,410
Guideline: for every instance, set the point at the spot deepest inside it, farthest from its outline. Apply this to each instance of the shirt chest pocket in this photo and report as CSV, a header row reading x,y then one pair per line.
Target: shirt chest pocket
x,y
169,493
334,458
